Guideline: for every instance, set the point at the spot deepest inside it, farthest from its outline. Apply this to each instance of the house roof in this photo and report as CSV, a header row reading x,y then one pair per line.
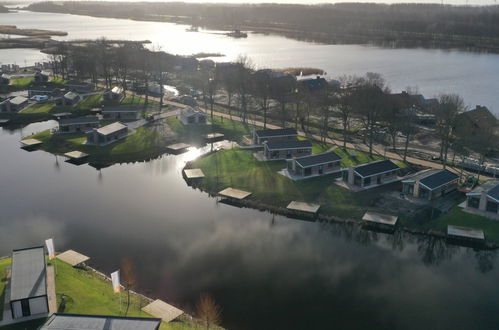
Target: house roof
x,y
377,167
79,120
28,277
314,160
111,128
314,84
71,95
121,109
276,132
491,188
187,112
99,322
297,144
117,90
18,100
438,178
481,117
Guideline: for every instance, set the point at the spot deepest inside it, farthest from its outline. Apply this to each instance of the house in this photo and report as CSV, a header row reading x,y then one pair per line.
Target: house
x,y
81,124
121,112
430,184
115,94
473,121
371,174
28,284
313,85
286,149
40,77
78,86
70,99
191,116
4,80
107,134
50,92
274,135
485,198
14,104
99,322
313,165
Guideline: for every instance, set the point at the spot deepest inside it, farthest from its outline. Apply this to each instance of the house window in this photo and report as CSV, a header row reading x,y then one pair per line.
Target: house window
x,y
473,202
492,207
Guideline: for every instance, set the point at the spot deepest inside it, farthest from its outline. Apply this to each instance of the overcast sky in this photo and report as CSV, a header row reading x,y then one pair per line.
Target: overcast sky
x,y
455,2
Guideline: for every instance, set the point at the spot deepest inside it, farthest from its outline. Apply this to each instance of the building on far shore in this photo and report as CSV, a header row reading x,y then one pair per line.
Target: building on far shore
x,y
430,184
115,94
315,165
121,112
286,149
28,284
191,116
107,134
70,99
99,322
372,174
81,124
14,104
274,135
485,199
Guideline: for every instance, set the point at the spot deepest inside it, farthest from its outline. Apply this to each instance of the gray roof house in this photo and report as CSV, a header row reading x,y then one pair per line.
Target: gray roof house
x,y
99,322
121,112
14,104
69,99
372,174
315,165
286,149
274,135
115,94
191,116
107,134
28,285
80,124
484,199
430,184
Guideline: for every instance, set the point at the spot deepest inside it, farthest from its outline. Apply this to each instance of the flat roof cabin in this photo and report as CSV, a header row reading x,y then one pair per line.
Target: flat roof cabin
x,y
121,112
115,94
313,165
274,135
99,322
372,174
430,184
485,199
80,124
28,285
191,116
107,134
287,149
14,104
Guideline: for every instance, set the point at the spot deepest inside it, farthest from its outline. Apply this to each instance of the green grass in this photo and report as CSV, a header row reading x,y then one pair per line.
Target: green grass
x,y
144,144
239,169
4,263
39,108
58,81
458,217
22,82
360,157
88,103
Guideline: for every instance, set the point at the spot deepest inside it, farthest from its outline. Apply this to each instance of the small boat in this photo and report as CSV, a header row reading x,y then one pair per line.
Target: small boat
x,y
192,29
237,34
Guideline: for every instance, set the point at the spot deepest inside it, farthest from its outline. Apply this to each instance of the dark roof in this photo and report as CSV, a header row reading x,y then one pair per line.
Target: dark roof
x,y
315,84
481,117
276,132
121,109
327,157
438,179
99,322
377,167
297,144
79,120
28,277
494,192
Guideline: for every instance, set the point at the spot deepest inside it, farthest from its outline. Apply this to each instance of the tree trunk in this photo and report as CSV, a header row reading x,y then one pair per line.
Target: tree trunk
x,y
407,138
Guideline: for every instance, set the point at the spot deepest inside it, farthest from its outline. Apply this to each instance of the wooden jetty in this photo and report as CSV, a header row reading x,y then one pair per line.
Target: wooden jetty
x,y
380,219
234,194
213,137
177,148
162,310
30,143
303,207
76,155
73,258
458,232
193,173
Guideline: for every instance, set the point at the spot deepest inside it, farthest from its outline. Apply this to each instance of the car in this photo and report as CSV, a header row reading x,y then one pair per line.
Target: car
x,y
39,98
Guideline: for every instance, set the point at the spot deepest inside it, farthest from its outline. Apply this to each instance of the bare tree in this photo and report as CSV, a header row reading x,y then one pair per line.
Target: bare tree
x,y
208,311
447,112
261,90
345,102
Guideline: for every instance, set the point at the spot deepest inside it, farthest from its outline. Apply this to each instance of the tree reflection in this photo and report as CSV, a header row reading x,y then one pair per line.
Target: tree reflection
x,y
485,260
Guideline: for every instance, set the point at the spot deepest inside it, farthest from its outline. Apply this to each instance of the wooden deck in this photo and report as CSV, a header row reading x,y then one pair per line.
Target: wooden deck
x,y
194,173
465,232
76,155
162,310
177,147
72,258
379,218
234,193
215,136
303,207
31,142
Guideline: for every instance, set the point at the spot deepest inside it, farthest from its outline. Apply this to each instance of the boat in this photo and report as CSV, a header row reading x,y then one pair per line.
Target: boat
x,y
237,34
192,29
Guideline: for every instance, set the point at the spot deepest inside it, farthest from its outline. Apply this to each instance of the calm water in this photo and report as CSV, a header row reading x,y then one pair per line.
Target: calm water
x,y
473,76
266,273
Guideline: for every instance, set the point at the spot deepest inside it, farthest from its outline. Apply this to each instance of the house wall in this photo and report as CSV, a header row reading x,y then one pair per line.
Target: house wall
x,y
315,170
100,139
110,96
287,154
77,128
258,140
198,119
37,305
357,180
120,115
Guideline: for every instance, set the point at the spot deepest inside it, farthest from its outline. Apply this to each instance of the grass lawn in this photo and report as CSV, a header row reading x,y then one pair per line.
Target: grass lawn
x,y
39,108
22,82
4,263
458,217
360,157
238,168
88,103
58,81
144,144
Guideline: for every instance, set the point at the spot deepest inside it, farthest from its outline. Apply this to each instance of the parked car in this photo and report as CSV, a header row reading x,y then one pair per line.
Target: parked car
x,y
39,98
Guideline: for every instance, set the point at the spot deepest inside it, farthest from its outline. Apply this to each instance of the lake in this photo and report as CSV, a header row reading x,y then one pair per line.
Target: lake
x,y
266,272
472,75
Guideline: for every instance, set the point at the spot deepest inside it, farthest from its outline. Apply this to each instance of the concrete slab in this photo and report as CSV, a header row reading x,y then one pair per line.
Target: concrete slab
x,y
76,155
162,310
214,136
30,142
234,193
194,173
72,258
379,218
178,147
51,290
465,232
304,207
